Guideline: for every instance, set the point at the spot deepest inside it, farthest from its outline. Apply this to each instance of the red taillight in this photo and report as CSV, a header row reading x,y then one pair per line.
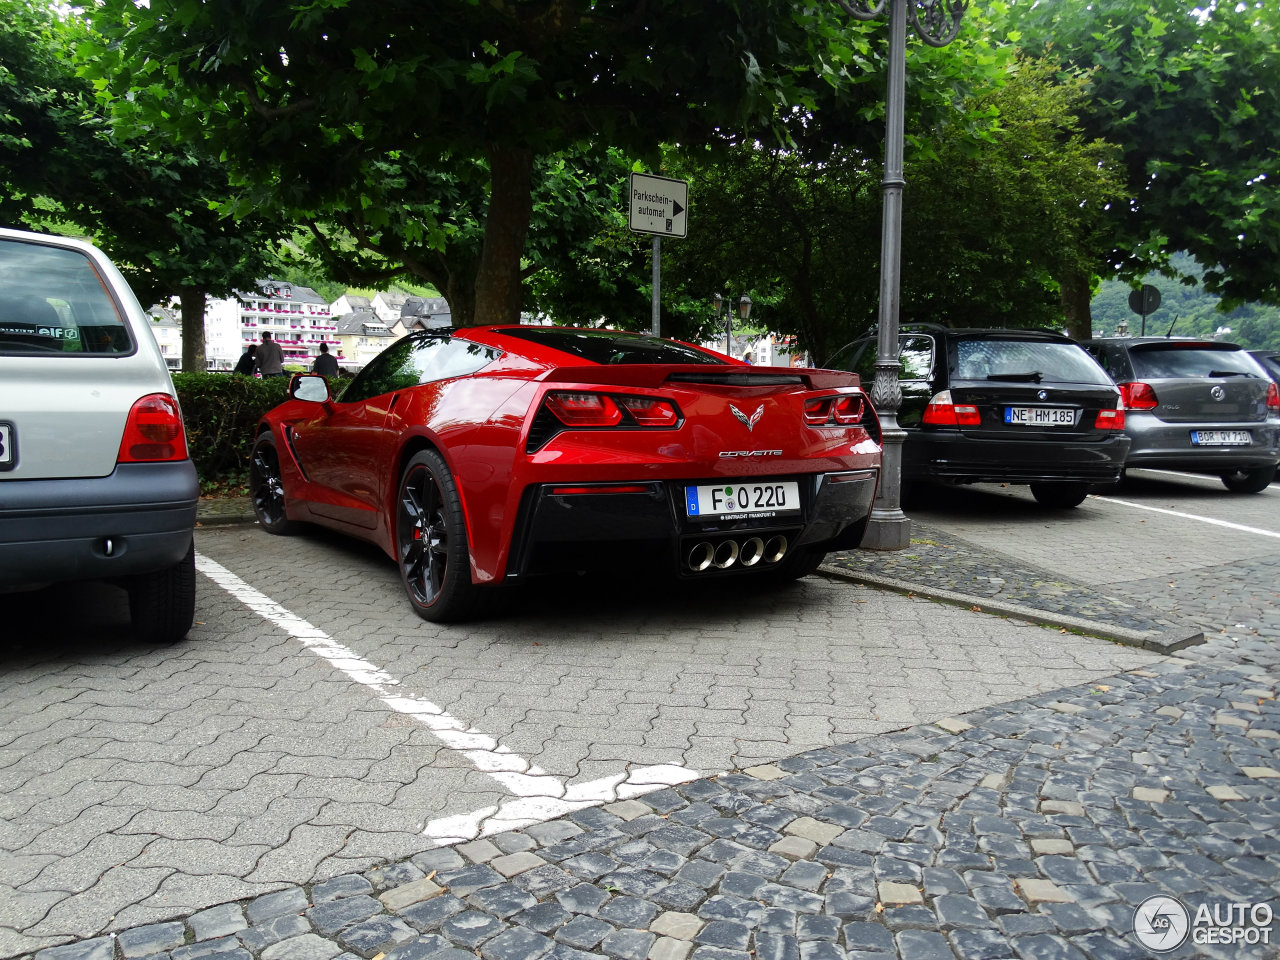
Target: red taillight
x,y
602,488
153,431
844,410
941,412
650,411
1273,400
584,409
1111,419
1138,396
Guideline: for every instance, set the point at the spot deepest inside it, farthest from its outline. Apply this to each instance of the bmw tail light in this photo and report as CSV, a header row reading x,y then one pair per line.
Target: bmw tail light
x,y
942,412
1111,419
153,431
584,409
651,411
1273,400
1138,396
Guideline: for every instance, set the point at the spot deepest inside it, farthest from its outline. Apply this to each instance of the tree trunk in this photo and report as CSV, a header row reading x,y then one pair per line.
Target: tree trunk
x,y
192,300
498,292
1076,290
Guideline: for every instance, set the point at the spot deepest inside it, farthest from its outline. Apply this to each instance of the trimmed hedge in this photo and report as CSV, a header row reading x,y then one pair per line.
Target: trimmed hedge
x,y
220,412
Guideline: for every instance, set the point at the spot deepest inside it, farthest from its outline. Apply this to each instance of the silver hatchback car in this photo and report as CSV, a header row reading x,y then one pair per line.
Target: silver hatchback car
x,y
1203,406
95,480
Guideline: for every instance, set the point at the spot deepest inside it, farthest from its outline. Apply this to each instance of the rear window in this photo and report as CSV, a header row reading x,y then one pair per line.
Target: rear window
x,y
1172,361
610,347
1031,361
52,301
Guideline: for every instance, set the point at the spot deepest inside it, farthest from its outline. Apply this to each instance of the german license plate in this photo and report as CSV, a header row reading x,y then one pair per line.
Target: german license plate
x,y
8,452
742,500
1221,438
1040,416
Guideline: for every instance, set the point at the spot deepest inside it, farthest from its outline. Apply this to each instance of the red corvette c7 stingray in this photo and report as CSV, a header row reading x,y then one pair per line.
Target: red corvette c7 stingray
x,y
484,455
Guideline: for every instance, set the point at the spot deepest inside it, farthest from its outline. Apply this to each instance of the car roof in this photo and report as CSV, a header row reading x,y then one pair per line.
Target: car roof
x,y
1010,333
1179,341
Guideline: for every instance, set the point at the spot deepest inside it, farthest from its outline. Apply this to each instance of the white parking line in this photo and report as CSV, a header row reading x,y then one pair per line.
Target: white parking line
x,y
1192,516
540,796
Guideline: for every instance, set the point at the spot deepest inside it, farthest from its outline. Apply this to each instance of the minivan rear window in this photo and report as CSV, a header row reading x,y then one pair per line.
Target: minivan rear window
x,y
1172,361
1028,361
52,302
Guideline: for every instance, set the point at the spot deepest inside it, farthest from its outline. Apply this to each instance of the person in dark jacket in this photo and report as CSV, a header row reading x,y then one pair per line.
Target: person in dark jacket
x,y
245,364
325,365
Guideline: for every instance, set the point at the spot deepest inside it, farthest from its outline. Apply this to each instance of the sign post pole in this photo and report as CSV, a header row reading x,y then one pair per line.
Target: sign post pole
x,y
659,206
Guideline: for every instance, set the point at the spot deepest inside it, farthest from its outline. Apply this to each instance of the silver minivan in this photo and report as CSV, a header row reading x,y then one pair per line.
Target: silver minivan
x,y
95,479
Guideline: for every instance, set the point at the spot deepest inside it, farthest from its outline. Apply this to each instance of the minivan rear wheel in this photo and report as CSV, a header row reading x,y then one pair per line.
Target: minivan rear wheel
x,y
162,605
1254,480
1060,495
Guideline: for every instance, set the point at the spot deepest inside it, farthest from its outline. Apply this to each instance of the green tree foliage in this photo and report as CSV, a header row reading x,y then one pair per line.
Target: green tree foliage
x,y
150,205
1188,91
995,227
1186,309
404,125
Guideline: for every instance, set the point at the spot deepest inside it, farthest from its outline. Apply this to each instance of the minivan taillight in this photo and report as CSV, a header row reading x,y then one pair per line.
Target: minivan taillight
x,y
941,412
1273,400
153,431
1138,395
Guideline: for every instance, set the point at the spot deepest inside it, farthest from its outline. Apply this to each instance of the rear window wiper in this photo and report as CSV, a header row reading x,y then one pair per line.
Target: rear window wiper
x,y
1229,373
1033,376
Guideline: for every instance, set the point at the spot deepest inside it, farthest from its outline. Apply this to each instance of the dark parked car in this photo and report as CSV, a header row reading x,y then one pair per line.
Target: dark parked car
x,y
1270,360
1204,406
1004,406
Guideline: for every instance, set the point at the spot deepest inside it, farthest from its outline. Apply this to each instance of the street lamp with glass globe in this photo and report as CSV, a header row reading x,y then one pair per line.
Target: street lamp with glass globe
x,y
742,306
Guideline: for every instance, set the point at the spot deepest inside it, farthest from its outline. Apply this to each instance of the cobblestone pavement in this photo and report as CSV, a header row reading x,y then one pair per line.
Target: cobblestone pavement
x,y
1028,829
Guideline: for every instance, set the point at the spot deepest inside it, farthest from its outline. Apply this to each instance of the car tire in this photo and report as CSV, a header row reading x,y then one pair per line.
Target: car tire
x,y
266,487
431,541
1060,496
162,605
1254,480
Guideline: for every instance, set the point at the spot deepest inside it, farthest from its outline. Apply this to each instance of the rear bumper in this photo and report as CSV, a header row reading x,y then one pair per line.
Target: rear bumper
x,y
950,456
1157,443
649,528
137,520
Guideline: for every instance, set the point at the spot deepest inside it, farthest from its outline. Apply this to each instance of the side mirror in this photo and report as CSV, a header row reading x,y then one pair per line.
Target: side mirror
x,y
309,386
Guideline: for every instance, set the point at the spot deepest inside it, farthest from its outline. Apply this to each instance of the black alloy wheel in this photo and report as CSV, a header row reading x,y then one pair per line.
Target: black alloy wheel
x,y
431,541
1249,481
266,486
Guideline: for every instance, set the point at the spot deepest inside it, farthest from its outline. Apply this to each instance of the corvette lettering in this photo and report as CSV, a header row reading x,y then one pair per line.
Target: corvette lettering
x,y
750,453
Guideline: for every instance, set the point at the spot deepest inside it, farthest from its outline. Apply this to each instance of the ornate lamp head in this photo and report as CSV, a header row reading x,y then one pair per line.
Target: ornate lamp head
x,y
935,21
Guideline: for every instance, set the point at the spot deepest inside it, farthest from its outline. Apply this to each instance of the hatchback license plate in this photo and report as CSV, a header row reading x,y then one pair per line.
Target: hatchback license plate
x,y
7,453
1221,438
738,499
1040,416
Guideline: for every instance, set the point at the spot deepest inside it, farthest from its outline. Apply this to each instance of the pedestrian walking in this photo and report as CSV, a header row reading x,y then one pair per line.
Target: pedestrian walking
x,y
269,360
244,365
326,365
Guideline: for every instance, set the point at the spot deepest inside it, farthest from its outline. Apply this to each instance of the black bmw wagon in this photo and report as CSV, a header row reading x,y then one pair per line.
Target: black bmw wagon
x,y
1002,406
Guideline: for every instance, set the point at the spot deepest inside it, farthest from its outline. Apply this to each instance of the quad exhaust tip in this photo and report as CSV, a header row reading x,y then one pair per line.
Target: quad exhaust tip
x,y
726,553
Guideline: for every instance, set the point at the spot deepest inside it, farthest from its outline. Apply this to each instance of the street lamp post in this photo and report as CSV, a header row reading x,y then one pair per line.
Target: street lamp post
x,y
743,308
936,22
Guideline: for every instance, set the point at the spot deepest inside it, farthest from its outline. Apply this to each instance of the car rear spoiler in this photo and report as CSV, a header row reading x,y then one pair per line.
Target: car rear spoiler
x,y
655,375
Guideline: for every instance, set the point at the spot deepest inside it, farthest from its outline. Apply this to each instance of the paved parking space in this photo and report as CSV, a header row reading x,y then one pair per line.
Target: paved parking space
x,y
140,784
